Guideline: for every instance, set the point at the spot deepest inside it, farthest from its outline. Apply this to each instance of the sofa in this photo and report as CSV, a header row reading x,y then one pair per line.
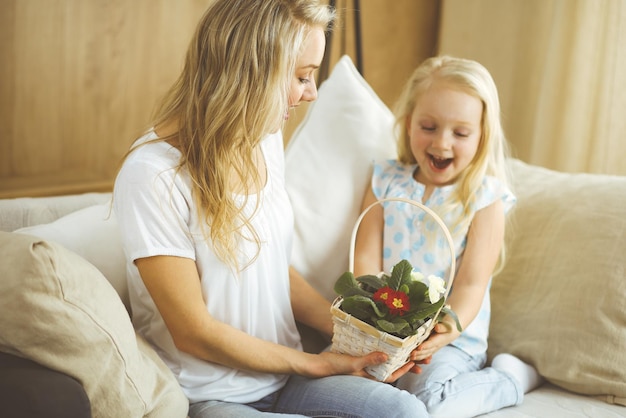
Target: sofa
x,y
559,303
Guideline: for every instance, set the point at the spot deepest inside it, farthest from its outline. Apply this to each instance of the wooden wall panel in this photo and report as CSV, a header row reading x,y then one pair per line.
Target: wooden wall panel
x,y
397,35
79,79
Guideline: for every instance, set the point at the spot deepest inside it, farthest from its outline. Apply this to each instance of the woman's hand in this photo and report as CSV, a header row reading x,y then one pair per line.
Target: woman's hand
x,y
334,364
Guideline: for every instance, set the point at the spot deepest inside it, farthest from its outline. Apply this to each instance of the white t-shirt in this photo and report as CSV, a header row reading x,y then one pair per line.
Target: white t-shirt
x,y
157,216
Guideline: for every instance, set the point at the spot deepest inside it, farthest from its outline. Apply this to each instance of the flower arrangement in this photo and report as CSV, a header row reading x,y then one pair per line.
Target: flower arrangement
x,y
391,313
399,303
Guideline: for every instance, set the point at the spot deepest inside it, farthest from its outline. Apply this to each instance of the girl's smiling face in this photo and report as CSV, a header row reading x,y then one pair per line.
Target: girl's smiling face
x,y
444,129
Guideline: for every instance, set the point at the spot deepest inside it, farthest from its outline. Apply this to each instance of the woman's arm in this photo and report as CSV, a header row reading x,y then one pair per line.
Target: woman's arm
x,y
196,332
369,240
484,242
309,306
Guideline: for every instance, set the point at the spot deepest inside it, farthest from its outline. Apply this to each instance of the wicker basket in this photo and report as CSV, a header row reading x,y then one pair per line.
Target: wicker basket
x,y
355,337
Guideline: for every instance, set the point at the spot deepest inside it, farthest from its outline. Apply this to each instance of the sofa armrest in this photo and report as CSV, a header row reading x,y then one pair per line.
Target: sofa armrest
x,y
29,390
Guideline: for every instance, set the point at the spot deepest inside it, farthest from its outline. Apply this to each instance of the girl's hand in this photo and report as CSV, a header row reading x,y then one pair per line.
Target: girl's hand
x,y
443,334
415,368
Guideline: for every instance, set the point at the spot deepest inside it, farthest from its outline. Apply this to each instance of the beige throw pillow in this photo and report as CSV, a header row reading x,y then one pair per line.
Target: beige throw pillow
x,y
93,234
560,302
59,311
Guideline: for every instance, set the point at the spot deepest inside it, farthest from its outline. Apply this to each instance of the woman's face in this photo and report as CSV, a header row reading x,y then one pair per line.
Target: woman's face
x,y
302,86
445,130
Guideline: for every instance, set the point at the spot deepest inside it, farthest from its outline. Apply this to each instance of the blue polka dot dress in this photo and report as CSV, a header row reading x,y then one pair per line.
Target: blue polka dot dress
x,y
411,234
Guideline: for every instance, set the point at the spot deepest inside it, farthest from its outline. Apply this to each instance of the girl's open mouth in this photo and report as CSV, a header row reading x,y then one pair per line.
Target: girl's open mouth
x,y
440,163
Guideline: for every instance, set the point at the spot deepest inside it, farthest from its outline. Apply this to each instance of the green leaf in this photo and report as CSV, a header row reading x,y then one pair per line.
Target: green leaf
x,y
380,313
416,324
424,310
356,309
400,274
446,310
403,333
417,292
345,282
392,327
357,291
371,281
360,307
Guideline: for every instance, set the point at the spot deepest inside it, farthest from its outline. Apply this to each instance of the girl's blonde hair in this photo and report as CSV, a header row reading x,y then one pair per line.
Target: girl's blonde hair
x,y
472,78
231,93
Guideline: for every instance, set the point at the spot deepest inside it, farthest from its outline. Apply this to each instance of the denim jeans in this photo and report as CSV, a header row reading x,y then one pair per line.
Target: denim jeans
x,y
456,384
335,396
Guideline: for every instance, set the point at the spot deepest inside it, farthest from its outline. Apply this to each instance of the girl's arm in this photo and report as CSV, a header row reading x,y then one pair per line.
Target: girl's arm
x,y
196,332
484,242
369,240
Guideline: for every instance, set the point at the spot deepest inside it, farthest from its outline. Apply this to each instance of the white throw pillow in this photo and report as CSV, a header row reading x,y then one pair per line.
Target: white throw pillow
x,y
328,166
93,234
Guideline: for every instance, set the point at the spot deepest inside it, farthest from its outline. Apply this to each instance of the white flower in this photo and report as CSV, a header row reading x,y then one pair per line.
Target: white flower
x,y
436,288
416,275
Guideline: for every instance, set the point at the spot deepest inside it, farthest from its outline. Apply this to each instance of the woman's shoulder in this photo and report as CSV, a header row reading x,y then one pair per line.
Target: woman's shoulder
x,y
148,159
151,151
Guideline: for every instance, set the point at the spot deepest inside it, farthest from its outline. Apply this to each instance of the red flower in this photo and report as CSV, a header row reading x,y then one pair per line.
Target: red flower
x,y
398,304
383,294
396,301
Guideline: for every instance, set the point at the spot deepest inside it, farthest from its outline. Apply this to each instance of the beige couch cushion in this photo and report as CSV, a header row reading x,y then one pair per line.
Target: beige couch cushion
x,y
58,310
560,302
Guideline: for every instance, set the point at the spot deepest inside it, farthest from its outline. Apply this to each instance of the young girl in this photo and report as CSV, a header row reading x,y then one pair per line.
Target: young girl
x,y
207,227
451,158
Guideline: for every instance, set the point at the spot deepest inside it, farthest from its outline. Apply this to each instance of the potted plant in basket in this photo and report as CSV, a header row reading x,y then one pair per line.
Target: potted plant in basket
x,y
392,313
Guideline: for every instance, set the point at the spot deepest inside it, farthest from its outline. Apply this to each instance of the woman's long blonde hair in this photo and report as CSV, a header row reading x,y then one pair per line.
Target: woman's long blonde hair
x,y
474,79
231,93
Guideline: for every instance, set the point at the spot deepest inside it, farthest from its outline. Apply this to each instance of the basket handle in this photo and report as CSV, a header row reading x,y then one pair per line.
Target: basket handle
x,y
425,209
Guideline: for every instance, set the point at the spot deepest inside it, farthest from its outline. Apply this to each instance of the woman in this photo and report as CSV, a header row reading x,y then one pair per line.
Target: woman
x,y
207,227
